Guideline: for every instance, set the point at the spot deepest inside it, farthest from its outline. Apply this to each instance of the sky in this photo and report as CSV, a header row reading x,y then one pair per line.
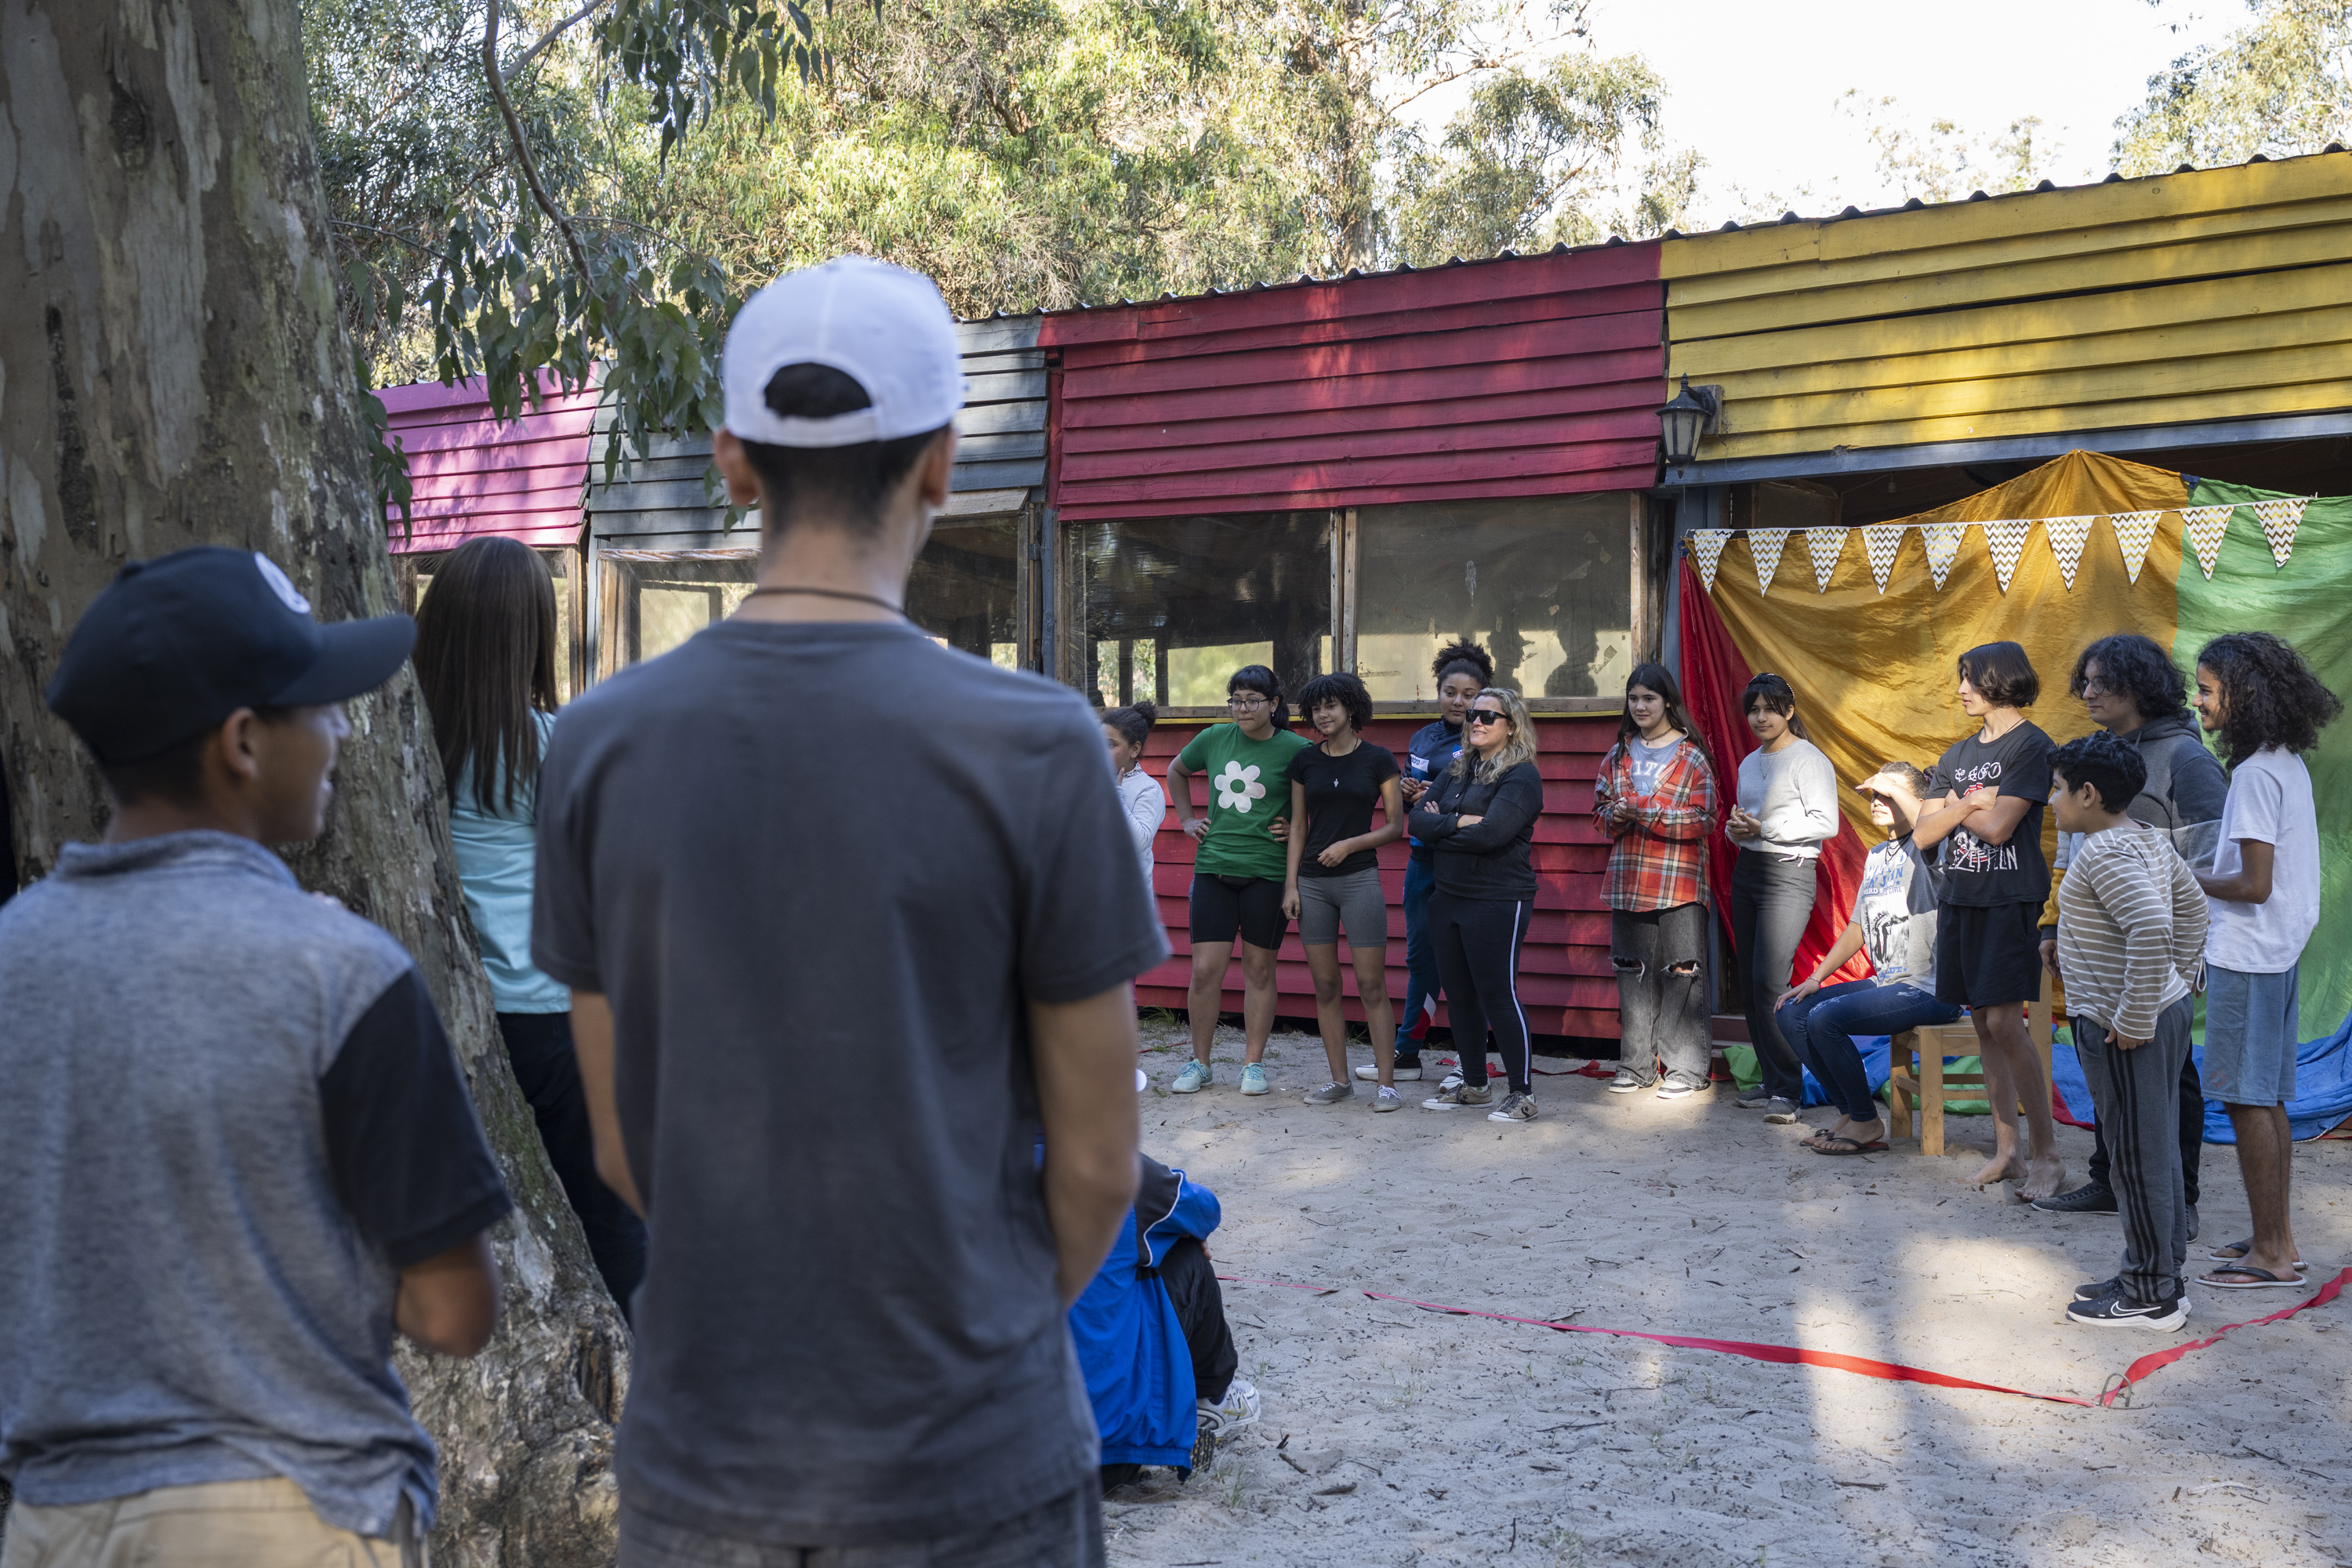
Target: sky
x,y
1755,84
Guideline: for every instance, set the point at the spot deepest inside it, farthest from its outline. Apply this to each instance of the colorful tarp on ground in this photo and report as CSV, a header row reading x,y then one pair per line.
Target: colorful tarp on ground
x,y
1873,671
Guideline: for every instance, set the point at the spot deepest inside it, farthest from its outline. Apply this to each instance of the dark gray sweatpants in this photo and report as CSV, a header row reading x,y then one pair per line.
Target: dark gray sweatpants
x,y
2139,1096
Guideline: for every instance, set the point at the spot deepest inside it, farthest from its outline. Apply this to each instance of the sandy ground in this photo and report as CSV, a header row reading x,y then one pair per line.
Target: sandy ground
x,y
1396,1436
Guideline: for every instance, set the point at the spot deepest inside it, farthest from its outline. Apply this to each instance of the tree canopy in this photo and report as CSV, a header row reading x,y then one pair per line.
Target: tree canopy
x,y
536,192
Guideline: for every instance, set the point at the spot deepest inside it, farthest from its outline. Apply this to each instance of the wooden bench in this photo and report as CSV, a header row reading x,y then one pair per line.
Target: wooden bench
x,y
1916,1068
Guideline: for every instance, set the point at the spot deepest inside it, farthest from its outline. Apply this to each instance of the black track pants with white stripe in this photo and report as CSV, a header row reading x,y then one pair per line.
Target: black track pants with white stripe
x,y
2137,1092
1477,942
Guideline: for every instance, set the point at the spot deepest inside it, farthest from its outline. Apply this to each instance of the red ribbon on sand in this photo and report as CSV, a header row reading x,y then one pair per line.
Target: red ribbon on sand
x,y
2118,1387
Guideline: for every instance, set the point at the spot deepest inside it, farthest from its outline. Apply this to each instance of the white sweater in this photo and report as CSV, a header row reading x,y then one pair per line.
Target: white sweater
x,y
1146,804
1793,793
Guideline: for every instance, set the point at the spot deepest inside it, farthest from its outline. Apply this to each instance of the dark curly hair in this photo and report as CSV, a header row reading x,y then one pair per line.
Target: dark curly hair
x,y
1340,687
2130,662
2269,696
1133,724
2105,761
1466,659
2003,674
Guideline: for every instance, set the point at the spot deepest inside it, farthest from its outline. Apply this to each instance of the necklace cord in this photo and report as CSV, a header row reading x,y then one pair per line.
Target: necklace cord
x,y
898,610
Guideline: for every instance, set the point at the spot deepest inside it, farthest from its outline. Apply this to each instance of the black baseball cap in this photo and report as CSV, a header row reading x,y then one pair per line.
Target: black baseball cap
x,y
173,645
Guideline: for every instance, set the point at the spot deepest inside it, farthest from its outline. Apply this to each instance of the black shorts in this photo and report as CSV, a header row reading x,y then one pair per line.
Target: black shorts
x,y
1249,906
1988,957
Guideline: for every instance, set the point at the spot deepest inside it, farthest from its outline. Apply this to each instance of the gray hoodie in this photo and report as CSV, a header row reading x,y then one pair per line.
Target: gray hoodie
x,y
2182,799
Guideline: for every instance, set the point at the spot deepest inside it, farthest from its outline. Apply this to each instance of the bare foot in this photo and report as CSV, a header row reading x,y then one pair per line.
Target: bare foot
x,y
1999,1168
1823,1134
2043,1179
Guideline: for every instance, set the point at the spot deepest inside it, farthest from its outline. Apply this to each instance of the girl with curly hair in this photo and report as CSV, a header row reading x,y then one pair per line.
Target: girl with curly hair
x,y
2256,694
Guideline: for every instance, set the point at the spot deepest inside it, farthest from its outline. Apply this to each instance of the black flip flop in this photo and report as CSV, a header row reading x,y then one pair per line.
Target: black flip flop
x,y
2255,1279
2223,1255
1852,1146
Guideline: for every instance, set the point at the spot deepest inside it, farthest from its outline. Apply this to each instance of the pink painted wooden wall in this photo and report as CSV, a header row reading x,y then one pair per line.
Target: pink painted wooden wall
x,y
473,476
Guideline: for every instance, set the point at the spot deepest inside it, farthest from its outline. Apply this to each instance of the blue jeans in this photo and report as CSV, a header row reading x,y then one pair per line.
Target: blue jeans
x,y
1821,1026
1421,985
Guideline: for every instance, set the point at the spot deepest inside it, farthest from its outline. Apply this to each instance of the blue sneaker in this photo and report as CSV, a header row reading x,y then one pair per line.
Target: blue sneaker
x,y
1254,1080
1192,1079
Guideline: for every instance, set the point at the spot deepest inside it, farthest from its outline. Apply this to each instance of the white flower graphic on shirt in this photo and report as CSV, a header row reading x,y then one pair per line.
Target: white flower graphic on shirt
x,y
1237,786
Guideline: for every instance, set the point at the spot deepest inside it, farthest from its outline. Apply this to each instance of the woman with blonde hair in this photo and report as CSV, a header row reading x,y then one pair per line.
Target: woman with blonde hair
x,y
485,664
1480,818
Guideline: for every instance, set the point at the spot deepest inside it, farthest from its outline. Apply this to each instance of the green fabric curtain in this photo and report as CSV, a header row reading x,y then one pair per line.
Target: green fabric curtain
x,y
2309,602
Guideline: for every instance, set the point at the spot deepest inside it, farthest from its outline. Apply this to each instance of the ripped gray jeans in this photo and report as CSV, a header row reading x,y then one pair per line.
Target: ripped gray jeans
x,y
1660,956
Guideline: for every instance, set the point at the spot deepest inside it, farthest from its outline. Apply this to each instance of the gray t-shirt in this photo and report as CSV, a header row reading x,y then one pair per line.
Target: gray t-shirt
x,y
1647,764
818,931
230,1118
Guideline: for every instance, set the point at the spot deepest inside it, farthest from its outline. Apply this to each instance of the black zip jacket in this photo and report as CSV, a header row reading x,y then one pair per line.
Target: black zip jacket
x,y
1488,859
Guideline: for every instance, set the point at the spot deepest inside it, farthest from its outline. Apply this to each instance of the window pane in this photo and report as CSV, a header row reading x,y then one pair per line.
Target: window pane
x,y
1174,606
965,590
664,600
1546,584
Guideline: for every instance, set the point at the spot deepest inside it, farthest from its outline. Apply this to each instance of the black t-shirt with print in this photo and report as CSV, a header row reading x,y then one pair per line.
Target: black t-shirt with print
x,y
1977,874
1340,795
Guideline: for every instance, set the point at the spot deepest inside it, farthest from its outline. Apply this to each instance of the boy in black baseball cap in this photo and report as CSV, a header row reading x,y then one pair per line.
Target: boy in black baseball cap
x,y
237,1152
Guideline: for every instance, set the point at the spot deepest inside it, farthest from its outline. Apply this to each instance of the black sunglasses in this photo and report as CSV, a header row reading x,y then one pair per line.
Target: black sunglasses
x,y
1486,716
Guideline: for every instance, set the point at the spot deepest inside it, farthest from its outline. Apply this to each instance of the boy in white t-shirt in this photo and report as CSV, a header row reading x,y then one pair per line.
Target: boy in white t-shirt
x,y
2257,694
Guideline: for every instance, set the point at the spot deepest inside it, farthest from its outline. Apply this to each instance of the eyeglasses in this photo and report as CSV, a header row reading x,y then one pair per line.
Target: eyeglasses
x,y
2097,688
1485,716
1246,701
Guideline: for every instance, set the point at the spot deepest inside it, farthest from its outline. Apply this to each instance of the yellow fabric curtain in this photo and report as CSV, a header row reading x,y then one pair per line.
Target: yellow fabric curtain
x,y
1873,673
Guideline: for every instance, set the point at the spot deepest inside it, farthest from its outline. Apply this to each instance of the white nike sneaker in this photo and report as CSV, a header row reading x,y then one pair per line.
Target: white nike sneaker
x,y
1238,1409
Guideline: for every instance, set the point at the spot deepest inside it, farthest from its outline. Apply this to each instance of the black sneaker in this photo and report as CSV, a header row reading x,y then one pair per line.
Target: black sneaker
x,y
2098,1288
2092,1197
2120,1312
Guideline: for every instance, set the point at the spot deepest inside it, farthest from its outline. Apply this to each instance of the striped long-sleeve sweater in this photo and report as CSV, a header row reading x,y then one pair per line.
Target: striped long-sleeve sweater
x,y
2131,928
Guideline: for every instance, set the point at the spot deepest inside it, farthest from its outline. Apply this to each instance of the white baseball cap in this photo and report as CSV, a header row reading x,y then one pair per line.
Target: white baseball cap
x,y
882,326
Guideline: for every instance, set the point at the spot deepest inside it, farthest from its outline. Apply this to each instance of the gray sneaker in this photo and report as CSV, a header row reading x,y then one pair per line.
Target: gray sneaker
x,y
1781,1112
1388,1099
1516,1107
1330,1094
1762,1100
1457,1095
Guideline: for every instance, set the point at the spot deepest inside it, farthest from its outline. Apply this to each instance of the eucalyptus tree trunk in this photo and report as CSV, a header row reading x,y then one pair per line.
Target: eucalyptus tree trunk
x,y
172,371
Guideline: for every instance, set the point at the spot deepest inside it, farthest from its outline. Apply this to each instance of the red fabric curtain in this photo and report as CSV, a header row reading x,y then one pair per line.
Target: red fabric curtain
x,y
1714,673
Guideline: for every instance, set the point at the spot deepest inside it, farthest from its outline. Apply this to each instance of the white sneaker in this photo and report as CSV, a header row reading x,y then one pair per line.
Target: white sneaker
x,y
1238,1409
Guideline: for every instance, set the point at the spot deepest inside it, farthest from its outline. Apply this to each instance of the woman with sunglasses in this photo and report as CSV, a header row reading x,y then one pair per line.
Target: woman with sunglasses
x,y
1480,816
1238,869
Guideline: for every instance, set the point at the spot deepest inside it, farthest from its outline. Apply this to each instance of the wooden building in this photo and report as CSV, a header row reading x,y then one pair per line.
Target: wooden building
x,y
1876,365
1346,475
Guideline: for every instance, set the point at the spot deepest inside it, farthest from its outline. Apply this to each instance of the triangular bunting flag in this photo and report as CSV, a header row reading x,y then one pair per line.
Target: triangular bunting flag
x,y
2280,519
2134,532
2067,537
2006,539
1824,545
1764,547
2203,526
1707,549
1880,542
1943,542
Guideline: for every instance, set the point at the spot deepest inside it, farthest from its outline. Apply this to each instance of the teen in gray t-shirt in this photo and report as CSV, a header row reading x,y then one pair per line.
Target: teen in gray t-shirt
x,y
817,960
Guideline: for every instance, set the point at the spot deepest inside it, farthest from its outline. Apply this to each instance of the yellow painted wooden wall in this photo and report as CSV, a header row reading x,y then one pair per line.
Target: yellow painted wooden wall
x,y
2217,294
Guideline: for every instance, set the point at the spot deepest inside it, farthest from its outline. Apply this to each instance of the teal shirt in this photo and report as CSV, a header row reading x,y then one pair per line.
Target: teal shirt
x,y
1249,788
496,853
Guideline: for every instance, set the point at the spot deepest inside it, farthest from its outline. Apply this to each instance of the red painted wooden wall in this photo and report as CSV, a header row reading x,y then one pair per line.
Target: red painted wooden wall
x,y
1521,376
1565,982
473,476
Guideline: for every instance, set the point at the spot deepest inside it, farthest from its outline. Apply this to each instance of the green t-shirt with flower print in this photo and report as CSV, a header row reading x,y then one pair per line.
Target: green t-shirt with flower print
x,y
1249,789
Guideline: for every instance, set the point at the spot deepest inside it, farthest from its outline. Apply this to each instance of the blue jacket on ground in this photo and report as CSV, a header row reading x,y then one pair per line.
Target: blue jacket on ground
x,y
1138,1368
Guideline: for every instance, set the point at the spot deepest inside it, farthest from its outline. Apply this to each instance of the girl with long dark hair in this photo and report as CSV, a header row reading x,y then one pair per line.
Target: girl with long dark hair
x,y
485,664
1481,817
1655,798
1238,869
1785,810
